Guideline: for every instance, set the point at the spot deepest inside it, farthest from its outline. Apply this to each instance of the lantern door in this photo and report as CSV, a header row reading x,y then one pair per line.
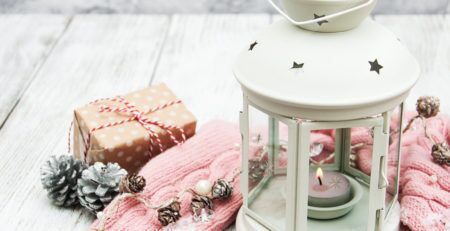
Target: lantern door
x,y
365,136
393,161
267,167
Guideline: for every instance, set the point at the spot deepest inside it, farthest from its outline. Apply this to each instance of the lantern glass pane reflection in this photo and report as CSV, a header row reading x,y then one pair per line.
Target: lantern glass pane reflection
x,y
393,158
267,162
340,147
361,150
344,146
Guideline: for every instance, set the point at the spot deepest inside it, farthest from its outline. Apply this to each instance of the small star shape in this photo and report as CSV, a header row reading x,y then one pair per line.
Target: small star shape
x,y
375,66
335,182
296,65
252,45
320,22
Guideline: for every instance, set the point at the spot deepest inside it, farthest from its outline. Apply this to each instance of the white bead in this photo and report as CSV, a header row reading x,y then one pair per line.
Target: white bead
x,y
203,187
433,179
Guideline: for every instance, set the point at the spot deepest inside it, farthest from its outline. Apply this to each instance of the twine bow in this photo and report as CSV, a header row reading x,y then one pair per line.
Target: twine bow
x,y
137,115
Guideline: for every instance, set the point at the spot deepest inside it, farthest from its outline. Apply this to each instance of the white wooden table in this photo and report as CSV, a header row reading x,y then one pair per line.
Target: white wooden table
x,y
50,64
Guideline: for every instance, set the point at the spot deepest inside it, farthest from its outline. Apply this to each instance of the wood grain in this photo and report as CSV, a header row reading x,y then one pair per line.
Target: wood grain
x,y
410,7
197,60
105,55
98,56
194,7
427,38
22,53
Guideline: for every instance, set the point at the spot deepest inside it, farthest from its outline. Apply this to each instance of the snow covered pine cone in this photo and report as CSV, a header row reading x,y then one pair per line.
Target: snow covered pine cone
x,y
132,184
98,185
441,153
170,213
428,106
200,202
59,175
222,190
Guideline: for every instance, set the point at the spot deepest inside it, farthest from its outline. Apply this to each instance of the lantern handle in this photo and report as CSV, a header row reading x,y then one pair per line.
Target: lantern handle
x,y
316,20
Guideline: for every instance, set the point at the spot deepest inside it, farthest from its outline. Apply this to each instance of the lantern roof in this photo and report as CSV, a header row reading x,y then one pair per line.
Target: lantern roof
x,y
287,68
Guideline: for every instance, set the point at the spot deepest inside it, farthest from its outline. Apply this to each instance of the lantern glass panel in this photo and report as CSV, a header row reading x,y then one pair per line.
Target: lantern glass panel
x,y
393,158
340,154
267,163
359,154
323,150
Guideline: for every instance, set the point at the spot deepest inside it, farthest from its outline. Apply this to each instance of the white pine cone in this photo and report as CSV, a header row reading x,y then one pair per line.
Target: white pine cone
x,y
59,175
98,185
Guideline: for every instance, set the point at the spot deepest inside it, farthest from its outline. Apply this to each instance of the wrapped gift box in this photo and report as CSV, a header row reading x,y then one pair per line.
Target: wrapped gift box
x,y
108,130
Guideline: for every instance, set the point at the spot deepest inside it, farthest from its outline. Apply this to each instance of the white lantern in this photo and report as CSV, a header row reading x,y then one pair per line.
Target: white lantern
x,y
341,90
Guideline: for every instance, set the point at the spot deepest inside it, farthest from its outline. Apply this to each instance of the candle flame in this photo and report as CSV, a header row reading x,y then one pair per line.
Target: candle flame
x,y
319,173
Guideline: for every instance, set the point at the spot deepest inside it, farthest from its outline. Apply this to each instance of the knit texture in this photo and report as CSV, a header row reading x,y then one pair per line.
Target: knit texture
x,y
211,154
424,185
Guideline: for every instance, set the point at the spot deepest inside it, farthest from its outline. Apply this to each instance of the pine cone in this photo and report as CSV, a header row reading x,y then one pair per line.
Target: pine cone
x,y
170,213
200,202
257,170
59,175
222,190
132,184
98,185
441,153
428,106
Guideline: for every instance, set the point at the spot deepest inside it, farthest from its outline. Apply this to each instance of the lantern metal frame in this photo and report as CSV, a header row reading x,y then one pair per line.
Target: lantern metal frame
x,y
297,172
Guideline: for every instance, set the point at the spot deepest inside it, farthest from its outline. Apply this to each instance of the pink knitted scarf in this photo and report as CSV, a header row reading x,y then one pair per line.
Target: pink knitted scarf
x,y
425,185
212,154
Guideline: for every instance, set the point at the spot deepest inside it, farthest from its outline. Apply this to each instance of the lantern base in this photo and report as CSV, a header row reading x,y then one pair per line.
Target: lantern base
x,y
245,223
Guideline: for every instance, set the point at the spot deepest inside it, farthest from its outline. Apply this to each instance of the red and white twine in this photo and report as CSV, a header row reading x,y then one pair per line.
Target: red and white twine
x,y
136,115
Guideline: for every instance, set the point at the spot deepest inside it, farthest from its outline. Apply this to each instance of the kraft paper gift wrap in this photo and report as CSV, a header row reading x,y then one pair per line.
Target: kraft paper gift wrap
x,y
128,144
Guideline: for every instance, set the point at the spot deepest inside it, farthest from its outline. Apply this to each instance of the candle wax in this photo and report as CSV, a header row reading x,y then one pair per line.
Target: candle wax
x,y
334,191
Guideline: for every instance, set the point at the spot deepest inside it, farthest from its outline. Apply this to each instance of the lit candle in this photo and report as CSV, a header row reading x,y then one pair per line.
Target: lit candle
x,y
319,175
328,189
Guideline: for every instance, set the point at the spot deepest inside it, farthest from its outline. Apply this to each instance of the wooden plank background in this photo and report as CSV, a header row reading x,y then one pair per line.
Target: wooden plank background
x,y
50,64
196,6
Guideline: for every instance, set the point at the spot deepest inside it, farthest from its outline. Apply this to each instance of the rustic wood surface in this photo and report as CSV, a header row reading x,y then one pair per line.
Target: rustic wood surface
x,y
196,6
50,64
23,50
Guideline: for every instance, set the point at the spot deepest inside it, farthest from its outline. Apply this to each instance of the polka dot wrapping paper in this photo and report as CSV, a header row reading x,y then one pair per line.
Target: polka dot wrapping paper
x,y
129,144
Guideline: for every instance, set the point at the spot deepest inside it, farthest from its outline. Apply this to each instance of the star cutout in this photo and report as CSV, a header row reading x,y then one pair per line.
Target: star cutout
x,y
320,22
374,66
296,65
252,45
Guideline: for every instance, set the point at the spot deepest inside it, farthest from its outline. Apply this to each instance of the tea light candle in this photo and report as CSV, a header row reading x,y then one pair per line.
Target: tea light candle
x,y
328,189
